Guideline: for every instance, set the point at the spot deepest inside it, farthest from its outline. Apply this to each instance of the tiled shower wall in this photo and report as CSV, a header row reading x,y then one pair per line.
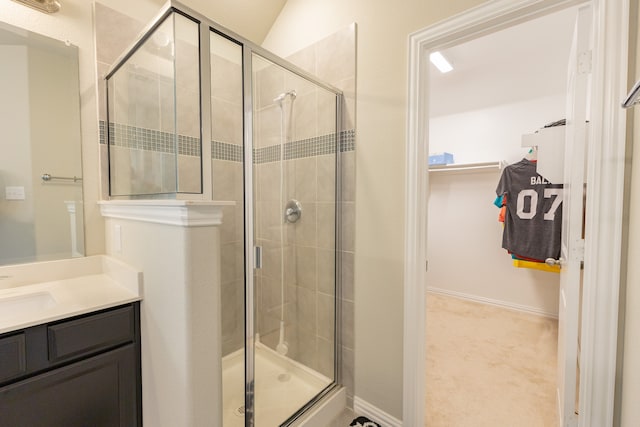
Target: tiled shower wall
x,y
153,104
309,172
333,60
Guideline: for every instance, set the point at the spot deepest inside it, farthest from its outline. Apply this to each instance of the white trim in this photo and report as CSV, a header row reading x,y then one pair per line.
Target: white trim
x,y
605,194
484,19
604,222
183,213
364,408
497,303
415,231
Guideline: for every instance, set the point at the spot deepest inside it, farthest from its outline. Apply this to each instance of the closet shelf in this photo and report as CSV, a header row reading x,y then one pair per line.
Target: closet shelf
x,y
468,167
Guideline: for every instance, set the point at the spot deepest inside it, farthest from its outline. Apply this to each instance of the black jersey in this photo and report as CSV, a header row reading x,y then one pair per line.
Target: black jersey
x,y
533,220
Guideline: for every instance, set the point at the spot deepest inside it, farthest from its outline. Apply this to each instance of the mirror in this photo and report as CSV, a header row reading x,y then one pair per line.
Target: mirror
x,y
40,219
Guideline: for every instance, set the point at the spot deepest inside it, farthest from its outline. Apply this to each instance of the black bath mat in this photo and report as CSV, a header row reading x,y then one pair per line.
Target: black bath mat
x,y
363,422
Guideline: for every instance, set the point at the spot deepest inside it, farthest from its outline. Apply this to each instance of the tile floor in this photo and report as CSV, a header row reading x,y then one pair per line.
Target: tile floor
x,y
343,420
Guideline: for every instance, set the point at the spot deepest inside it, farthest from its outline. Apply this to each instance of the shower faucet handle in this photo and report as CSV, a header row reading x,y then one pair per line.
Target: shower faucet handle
x,y
292,211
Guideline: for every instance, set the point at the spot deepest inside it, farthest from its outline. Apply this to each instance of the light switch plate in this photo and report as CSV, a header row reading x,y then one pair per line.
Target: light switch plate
x,y
14,193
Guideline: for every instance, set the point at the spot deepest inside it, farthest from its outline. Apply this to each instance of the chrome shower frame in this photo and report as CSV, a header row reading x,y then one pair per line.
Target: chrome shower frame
x,y
206,26
46,6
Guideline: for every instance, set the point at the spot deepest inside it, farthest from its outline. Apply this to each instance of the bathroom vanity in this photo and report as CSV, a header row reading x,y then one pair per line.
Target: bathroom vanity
x,y
81,371
70,345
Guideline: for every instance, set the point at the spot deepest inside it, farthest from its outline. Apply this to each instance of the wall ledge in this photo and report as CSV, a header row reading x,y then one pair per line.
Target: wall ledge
x,y
182,213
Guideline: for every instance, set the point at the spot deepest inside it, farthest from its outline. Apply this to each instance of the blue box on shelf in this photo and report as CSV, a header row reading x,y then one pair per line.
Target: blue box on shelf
x,y
440,159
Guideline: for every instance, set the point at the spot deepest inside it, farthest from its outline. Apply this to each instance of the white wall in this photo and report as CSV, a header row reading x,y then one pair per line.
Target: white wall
x,y
493,133
631,359
16,226
630,410
383,29
179,312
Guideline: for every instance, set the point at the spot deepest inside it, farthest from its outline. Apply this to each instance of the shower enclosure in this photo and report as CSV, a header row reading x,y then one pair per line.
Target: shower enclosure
x,y
197,112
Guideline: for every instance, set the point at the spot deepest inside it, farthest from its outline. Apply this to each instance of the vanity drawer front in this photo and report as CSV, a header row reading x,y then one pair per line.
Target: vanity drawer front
x,y
90,334
12,356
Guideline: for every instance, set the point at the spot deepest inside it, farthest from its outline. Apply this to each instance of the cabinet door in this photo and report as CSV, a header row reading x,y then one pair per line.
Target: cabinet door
x,y
100,391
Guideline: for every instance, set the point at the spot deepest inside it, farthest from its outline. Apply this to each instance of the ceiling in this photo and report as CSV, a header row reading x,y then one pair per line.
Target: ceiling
x,y
522,62
250,19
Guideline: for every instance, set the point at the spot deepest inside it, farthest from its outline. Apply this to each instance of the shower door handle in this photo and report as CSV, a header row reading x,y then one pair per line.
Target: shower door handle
x,y
258,257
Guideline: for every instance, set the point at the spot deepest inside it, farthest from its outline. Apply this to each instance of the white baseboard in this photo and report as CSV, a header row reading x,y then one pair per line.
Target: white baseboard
x,y
497,303
364,408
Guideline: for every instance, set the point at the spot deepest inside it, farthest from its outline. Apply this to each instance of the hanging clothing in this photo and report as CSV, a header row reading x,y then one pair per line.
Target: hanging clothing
x,y
501,202
536,266
533,218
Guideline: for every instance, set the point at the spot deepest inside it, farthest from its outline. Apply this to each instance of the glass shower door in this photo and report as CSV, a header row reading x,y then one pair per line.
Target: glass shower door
x,y
227,172
294,197
274,153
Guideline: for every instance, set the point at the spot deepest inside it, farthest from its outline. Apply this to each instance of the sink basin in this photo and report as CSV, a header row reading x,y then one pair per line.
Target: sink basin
x,y
17,305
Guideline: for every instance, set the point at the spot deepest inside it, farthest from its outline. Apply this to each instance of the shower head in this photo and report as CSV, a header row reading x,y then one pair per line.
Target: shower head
x,y
283,95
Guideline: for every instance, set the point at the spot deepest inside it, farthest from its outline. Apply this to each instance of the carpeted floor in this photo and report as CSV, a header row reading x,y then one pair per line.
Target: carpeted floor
x,y
488,366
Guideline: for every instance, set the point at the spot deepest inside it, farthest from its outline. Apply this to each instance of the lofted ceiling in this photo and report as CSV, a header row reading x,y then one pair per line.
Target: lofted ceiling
x,y
252,19
522,62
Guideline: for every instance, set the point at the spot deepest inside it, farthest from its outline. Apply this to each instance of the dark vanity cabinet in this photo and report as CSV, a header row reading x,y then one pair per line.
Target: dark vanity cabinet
x,y
77,372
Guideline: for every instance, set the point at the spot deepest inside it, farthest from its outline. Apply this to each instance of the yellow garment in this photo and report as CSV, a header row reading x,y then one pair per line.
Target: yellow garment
x,y
536,265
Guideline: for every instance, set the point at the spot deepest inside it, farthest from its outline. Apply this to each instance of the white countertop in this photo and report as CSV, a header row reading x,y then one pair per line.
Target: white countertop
x,y
36,293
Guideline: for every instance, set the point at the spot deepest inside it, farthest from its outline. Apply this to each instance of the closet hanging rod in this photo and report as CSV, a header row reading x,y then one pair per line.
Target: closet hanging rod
x,y
47,177
462,167
633,97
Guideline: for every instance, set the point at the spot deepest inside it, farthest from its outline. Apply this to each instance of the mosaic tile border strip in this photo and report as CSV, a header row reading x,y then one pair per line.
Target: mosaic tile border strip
x,y
267,154
153,140
348,141
224,151
102,125
310,147
149,139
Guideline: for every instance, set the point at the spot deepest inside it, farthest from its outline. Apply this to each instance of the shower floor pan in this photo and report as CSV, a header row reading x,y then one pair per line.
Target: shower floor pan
x,y
282,386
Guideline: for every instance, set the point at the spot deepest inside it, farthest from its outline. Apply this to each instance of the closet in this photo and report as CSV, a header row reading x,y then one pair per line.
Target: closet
x,y
489,112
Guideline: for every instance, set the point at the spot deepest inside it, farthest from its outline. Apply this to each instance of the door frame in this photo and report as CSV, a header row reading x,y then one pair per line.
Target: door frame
x,y
604,207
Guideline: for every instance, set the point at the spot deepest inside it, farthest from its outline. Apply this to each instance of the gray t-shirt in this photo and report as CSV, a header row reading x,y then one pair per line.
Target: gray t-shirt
x,y
533,219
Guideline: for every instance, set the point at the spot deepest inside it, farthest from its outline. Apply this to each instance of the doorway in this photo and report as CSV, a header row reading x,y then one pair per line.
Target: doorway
x,y
497,316
605,170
